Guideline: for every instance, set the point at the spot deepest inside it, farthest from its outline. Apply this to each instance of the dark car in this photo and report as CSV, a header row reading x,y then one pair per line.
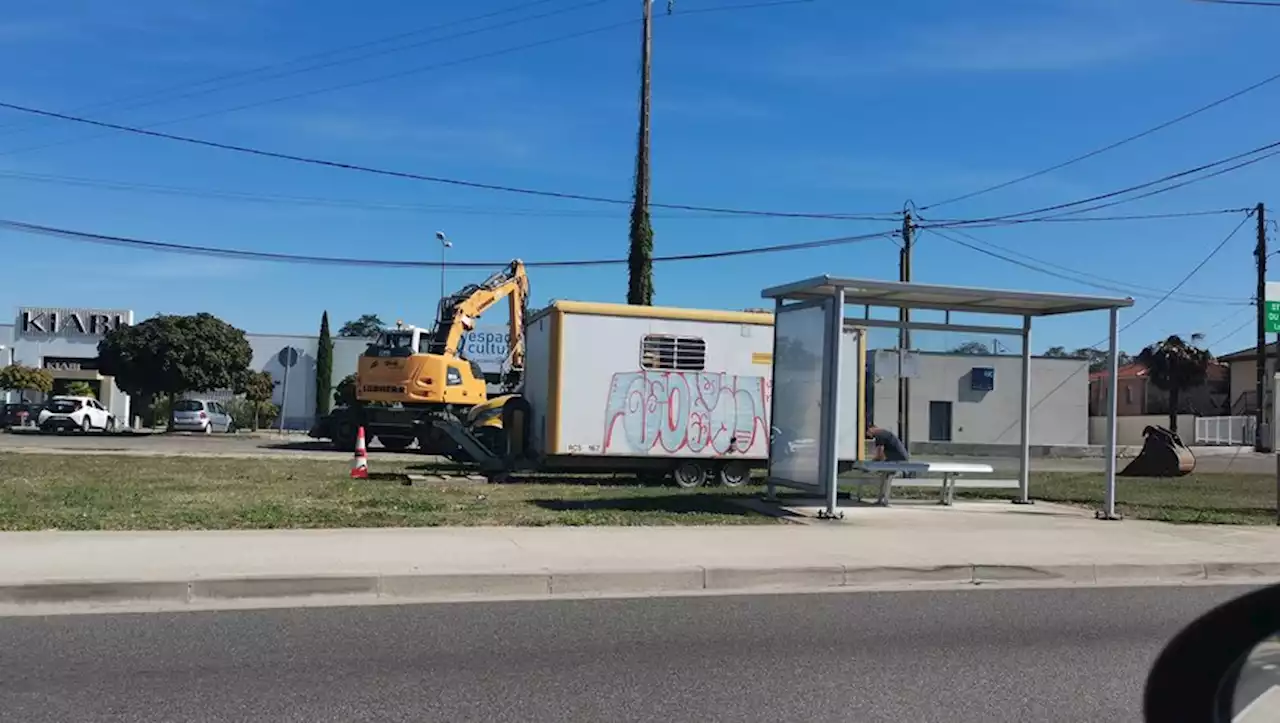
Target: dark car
x,y
14,415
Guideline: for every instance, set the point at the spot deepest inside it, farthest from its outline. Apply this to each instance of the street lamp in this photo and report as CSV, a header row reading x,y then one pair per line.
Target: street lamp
x,y
445,244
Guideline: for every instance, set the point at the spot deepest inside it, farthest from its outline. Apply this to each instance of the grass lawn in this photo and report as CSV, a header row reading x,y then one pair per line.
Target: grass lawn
x,y
1233,499
116,492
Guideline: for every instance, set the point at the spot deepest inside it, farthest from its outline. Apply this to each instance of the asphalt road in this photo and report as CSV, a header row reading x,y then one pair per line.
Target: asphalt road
x,y
290,445
963,657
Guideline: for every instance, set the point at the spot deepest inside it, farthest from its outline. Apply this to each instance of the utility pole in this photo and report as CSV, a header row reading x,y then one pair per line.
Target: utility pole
x,y
904,334
640,256
1261,388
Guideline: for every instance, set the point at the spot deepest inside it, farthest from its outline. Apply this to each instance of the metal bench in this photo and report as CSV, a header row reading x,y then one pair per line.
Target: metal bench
x,y
909,474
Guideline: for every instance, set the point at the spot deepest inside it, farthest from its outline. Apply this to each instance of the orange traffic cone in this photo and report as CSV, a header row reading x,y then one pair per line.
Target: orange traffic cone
x,y
360,462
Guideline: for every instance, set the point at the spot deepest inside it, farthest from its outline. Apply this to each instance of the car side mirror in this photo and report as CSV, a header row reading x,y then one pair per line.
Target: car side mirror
x,y
1222,668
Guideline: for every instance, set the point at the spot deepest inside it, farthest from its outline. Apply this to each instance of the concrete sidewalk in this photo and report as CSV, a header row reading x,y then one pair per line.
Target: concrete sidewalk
x,y
902,545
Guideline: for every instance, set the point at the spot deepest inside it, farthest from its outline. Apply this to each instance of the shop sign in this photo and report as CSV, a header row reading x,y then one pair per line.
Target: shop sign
x,y
70,364
70,323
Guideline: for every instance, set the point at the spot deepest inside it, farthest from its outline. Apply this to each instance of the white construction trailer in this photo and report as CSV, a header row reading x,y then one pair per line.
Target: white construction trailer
x,y
615,387
655,391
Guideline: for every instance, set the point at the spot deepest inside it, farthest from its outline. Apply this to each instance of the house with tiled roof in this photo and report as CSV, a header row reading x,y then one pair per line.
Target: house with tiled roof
x,y
1136,395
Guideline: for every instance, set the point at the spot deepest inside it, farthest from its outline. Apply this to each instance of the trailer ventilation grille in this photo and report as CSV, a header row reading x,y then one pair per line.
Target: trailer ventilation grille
x,y
673,353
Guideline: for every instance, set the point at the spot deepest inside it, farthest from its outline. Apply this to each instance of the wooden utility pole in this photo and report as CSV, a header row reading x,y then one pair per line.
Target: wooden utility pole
x,y
1261,382
640,256
904,334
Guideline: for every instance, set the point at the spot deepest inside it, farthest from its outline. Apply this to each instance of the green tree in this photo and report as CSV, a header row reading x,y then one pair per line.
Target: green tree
x,y
1057,352
368,325
23,379
324,368
345,393
640,258
80,389
972,347
1175,366
173,355
258,388
1097,358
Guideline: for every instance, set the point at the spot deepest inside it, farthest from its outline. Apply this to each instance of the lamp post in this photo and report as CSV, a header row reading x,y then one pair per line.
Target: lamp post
x,y
445,245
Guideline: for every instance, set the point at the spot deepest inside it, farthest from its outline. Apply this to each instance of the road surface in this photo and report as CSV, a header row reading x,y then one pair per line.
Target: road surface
x,y
298,445
980,656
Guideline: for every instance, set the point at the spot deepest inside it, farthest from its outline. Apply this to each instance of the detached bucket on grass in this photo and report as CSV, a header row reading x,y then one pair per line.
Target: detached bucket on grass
x,y
1163,455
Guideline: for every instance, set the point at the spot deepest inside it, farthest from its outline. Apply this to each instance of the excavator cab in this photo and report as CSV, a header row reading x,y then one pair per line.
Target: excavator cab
x,y
416,367
396,368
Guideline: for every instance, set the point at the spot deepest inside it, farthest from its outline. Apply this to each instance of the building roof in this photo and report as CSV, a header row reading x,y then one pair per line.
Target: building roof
x,y
1248,354
945,298
592,308
1126,371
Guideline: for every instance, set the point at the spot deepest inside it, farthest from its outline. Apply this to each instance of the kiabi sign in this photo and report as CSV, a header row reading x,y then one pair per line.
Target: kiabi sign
x,y
70,323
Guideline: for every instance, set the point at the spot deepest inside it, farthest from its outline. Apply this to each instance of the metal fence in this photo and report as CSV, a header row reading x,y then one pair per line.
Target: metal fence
x,y
1226,431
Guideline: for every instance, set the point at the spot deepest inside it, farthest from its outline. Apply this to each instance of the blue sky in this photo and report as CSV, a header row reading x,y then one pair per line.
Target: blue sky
x,y
824,106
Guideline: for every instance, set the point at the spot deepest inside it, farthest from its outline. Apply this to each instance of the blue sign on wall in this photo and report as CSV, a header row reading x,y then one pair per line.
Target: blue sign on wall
x,y
982,379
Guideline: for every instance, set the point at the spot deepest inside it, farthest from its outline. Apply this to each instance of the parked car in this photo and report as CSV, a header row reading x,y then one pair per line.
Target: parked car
x,y
201,415
18,413
82,414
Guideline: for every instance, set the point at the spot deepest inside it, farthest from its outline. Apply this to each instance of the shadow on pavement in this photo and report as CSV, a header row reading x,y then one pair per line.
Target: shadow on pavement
x,y
676,504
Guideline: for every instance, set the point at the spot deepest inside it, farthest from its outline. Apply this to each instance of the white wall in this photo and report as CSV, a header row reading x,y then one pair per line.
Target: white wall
x,y
1059,398
610,405
1129,428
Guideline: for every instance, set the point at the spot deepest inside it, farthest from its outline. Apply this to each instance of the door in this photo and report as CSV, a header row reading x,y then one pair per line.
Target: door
x,y
97,415
222,420
939,421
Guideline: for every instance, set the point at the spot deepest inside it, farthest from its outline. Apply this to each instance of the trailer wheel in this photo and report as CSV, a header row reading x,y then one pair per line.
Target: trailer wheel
x,y
688,475
733,474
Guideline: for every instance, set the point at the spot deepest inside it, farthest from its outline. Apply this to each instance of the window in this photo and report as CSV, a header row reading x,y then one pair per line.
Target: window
x,y
673,353
453,377
188,405
1128,395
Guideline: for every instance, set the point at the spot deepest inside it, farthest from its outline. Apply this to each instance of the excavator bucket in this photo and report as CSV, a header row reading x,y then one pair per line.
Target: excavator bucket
x,y
1163,455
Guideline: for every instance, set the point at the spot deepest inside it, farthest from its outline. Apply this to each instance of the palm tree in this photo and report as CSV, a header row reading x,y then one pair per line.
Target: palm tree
x,y
1175,366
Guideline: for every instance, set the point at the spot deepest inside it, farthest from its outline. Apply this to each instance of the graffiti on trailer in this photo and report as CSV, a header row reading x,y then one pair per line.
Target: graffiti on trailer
x,y
669,412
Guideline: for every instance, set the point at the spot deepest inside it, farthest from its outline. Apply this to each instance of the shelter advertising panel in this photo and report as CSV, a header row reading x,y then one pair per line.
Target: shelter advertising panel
x,y
799,343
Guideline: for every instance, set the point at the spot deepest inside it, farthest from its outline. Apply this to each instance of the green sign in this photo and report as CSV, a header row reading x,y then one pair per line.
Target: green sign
x,y
1273,317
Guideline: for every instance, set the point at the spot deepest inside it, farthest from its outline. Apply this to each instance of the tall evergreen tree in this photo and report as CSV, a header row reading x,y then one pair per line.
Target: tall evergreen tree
x,y
324,368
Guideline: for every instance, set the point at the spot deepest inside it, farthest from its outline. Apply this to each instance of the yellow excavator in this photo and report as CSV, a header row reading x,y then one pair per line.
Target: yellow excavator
x,y
410,376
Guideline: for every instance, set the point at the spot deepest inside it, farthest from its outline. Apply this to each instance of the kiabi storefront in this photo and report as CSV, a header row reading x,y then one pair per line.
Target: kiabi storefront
x,y
65,342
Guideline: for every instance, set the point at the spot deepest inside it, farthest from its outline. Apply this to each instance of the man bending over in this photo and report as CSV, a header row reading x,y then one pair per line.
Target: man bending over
x,y
888,448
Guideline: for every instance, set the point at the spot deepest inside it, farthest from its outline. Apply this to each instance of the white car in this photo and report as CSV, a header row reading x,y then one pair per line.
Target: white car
x,y
82,414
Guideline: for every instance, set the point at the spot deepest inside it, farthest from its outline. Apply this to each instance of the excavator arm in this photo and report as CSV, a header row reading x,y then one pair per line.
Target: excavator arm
x,y
458,313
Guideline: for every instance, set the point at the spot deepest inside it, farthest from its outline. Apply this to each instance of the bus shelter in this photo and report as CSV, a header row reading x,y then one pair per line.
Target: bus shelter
x,y
811,430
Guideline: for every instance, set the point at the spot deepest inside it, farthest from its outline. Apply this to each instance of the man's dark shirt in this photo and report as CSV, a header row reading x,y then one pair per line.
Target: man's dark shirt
x,y
894,451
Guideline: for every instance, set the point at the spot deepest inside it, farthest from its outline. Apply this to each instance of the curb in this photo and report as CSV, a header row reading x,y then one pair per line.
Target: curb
x,y
564,584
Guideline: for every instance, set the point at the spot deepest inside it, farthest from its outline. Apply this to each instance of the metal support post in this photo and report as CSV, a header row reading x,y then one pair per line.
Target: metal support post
x,y
1108,512
1024,424
829,436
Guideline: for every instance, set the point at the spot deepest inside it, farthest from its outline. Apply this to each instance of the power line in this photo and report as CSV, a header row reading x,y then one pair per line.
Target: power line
x,y
1247,322
412,71
422,177
248,76
1273,148
682,207
1144,314
1080,277
285,199
1112,146
1255,3
245,254
969,223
